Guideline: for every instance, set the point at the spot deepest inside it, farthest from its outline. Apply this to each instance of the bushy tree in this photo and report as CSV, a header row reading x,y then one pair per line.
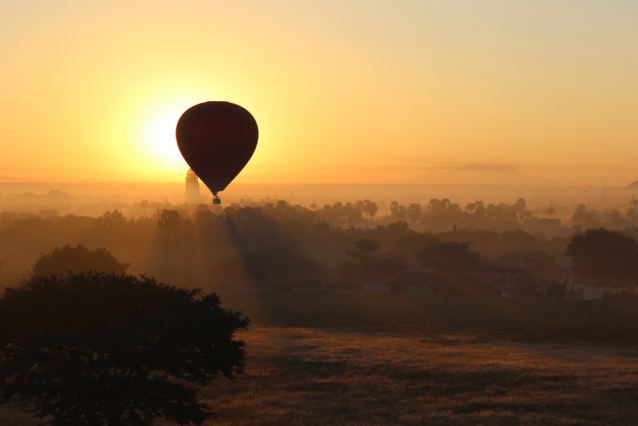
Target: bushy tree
x,y
585,218
364,265
77,259
605,255
449,257
94,349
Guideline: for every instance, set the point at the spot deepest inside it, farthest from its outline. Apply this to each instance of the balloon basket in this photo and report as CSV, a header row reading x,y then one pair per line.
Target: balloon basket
x,y
217,200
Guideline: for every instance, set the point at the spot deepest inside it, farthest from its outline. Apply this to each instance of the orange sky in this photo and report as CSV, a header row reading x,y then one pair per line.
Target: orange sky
x,y
358,91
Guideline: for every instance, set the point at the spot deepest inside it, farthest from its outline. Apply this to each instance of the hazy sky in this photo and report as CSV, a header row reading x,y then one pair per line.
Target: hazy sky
x,y
342,91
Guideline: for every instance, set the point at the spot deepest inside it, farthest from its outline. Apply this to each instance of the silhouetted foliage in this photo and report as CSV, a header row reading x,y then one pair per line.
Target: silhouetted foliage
x,y
94,349
364,266
583,217
77,259
169,221
267,263
603,255
450,257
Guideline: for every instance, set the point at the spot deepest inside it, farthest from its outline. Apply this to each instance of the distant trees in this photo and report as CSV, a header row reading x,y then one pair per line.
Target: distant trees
x,y
584,218
339,213
169,221
144,204
365,266
398,212
267,264
65,259
370,208
604,255
94,349
448,257
441,212
551,211
414,212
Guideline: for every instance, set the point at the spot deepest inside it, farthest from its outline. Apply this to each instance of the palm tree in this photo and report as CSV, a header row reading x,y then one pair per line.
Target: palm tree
x,y
551,211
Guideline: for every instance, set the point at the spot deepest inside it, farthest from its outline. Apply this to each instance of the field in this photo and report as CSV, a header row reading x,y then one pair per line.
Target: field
x,y
518,320
343,359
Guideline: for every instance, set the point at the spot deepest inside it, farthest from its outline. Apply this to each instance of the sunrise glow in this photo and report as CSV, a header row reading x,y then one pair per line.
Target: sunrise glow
x,y
341,93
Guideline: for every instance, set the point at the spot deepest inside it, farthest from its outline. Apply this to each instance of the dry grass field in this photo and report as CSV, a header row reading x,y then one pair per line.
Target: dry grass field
x,y
312,377
331,359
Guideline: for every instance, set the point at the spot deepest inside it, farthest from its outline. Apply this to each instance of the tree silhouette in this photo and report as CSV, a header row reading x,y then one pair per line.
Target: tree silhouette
x,y
372,209
551,211
76,259
520,204
449,257
470,207
583,217
364,249
604,255
169,221
144,204
414,212
398,212
365,266
99,349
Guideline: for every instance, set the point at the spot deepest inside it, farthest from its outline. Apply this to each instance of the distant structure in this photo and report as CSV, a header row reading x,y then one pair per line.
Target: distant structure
x,y
192,187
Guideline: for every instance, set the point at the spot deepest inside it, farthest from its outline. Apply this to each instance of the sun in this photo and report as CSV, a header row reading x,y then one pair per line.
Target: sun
x,y
161,136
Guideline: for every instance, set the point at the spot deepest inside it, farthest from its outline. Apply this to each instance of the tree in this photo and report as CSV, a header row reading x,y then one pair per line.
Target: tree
x,y
99,349
365,266
364,249
520,205
398,212
76,259
582,217
372,209
449,257
414,212
169,221
144,204
551,211
604,255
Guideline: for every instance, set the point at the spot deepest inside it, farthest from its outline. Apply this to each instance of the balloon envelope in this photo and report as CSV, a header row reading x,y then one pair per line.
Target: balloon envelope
x,y
217,139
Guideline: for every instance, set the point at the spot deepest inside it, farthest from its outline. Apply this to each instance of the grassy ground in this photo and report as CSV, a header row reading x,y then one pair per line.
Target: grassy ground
x,y
312,377
520,320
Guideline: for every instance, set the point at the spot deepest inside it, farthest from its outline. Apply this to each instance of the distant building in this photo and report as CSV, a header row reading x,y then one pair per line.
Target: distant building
x,y
528,277
534,266
192,187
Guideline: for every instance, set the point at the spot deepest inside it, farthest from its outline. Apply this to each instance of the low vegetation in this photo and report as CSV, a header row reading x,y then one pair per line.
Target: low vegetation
x,y
517,319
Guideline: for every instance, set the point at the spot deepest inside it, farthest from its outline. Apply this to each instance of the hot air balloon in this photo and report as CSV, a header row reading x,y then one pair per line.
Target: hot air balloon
x,y
216,139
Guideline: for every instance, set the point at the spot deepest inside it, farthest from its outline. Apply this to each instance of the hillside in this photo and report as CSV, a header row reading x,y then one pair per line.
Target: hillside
x,y
482,174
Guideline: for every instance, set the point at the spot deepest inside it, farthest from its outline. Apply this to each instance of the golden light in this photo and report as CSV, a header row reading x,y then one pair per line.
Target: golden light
x,y
161,137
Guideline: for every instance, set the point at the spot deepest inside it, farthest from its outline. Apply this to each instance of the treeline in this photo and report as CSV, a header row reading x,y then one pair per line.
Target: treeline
x,y
238,246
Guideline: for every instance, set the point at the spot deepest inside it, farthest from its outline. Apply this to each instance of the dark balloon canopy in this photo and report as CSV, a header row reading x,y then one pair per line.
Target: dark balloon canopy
x,y
217,139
